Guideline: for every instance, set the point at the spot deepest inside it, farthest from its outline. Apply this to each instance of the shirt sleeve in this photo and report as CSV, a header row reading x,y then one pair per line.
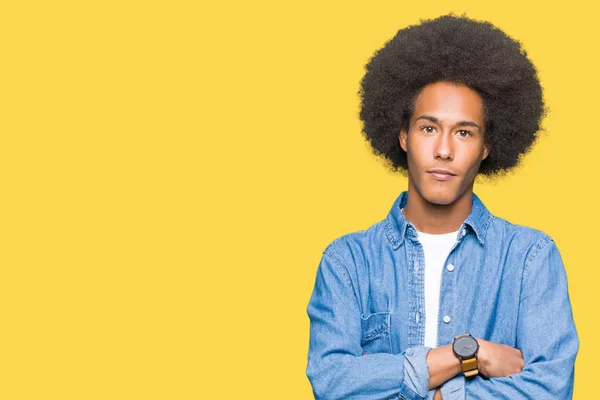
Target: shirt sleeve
x,y
546,336
336,367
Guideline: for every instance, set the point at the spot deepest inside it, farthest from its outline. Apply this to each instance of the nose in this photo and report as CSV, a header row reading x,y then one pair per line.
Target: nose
x,y
444,149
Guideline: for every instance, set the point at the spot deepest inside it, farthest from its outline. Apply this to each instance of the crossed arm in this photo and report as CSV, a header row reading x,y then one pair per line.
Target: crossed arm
x,y
541,367
493,361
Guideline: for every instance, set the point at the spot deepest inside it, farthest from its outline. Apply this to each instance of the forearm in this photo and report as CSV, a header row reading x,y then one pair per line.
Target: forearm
x,y
542,380
375,376
494,360
443,365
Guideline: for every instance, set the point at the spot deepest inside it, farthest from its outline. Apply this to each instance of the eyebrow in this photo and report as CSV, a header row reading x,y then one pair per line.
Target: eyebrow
x,y
460,123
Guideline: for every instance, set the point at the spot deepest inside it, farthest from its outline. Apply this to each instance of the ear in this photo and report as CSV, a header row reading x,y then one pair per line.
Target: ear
x,y
403,138
486,151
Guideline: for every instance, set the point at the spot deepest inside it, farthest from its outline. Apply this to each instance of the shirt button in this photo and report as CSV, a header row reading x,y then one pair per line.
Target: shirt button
x,y
464,232
417,268
450,267
417,317
446,319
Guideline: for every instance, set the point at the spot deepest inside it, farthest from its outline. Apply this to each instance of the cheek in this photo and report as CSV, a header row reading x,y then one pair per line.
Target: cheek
x,y
418,149
472,154
415,160
473,164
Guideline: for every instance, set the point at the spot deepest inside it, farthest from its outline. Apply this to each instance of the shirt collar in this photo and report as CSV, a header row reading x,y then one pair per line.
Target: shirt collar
x,y
397,227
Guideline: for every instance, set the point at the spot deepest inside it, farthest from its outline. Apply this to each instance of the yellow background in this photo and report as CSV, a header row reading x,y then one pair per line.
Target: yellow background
x,y
171,172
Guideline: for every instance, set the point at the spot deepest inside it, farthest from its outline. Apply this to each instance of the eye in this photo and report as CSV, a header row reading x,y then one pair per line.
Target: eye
x,y
464,133
428,129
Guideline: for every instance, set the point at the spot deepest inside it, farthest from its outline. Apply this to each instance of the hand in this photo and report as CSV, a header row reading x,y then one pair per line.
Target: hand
x,y
498,360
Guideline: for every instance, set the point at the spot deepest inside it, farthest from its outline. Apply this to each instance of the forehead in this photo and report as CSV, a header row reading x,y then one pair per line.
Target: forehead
x,y
449,101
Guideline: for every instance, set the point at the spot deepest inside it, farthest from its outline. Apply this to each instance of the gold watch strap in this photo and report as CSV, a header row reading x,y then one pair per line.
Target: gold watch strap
x,y
469,367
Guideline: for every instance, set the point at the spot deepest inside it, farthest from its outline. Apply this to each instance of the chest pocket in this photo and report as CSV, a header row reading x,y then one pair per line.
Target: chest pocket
x,y
376,333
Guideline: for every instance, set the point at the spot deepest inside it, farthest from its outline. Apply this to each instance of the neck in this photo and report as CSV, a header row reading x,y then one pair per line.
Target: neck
x,y
437,219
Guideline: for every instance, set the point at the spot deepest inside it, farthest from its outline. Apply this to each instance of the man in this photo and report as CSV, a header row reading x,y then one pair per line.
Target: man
x,y
442,299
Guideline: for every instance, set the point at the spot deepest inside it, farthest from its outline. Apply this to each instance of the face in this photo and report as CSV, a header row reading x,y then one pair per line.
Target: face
x,y
445,142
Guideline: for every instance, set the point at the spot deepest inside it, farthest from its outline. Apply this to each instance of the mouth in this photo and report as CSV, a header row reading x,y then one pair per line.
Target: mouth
x,y
441,174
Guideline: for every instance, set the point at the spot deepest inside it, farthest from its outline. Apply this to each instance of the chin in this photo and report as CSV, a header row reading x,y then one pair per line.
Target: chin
x,y
441,198
440,201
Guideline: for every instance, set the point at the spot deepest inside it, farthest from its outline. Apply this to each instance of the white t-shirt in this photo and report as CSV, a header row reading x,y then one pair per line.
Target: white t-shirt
x,y
436,249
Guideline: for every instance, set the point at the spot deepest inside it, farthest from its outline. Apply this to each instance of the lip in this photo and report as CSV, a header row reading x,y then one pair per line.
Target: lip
x,y
441,174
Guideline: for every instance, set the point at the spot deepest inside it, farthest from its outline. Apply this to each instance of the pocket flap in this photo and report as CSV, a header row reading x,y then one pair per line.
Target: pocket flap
x,y
374,325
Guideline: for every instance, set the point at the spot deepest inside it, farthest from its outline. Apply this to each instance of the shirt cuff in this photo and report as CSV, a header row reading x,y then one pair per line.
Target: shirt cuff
x,y
416,373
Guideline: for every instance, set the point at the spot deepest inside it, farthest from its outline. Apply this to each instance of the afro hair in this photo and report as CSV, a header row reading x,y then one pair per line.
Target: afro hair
x,y
463,51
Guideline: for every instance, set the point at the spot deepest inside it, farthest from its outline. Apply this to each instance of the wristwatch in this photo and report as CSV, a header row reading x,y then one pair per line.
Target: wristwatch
x,y
465,349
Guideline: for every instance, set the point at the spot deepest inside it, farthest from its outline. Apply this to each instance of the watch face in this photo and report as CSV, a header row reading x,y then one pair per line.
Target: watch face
x,y
465,347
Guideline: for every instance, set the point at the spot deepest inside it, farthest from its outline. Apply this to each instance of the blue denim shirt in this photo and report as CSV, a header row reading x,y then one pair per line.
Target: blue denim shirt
x,y
501,282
